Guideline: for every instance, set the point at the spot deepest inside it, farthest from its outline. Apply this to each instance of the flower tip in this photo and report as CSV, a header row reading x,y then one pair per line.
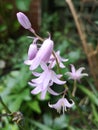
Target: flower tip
x,y
51,106
23,20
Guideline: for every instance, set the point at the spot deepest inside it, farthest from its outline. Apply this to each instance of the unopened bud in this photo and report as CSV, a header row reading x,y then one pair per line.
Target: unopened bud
x,y
23,20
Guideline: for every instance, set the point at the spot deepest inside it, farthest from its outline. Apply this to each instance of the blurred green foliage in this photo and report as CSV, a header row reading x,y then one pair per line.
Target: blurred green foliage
x,y
14,88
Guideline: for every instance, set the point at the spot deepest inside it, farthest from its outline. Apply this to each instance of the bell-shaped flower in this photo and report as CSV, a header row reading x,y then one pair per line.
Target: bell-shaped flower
x,y
61,104
40,89
45,80
23,20
47,76
32,51
76,74
59,59
43,54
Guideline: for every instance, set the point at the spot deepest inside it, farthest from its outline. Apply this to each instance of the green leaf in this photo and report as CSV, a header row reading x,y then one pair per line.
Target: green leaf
x,y
91,95
74,55
34,105
41,126
23,5
48,119
15,102
3,28
95,112
96,22
61,120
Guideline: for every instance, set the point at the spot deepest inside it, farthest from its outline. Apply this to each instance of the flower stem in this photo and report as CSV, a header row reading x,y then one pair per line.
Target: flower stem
x,y
41,39
74,88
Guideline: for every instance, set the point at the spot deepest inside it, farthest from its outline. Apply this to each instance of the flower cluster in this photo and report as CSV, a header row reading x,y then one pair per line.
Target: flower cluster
x,y
44,56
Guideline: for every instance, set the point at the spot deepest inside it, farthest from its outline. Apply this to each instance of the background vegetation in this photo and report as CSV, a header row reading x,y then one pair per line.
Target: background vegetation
x,y
14,75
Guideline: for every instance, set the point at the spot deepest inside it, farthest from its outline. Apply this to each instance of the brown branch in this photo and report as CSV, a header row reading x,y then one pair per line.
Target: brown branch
x,y
92,55
78,25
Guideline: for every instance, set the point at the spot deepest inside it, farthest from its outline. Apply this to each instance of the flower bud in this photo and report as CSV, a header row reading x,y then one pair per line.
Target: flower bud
x,y
45,50
23,20
32,50
42,55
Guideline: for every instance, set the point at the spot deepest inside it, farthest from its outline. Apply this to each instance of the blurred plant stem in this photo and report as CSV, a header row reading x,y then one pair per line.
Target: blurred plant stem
x,y
3,104
74,88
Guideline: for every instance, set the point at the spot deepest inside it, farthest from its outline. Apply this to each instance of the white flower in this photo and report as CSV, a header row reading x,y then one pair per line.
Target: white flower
x,y
59,59
76,74
44,80
61,104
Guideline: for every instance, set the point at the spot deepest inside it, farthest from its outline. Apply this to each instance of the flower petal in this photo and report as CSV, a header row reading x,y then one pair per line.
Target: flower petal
x,y
80,70
52,92
36,90
36,74
67,104
43,94
32,51
35,63
73,68
56,80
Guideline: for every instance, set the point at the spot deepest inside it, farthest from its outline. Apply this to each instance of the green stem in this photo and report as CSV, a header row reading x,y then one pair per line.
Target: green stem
x,y
74,88
41,39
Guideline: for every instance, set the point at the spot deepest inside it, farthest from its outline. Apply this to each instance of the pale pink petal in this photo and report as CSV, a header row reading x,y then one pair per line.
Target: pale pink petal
x,y
59,76
39,79
47,79
32,50
73,68
32,84
67,104
35,63
62,65
80,70
36,74
56,80
52,92
43,94
64,60
36,90
44,66
83,74
45,50
28,62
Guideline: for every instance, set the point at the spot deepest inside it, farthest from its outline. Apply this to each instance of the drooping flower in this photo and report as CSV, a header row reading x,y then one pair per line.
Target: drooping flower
x,y
62,104
59,59
43,54
47,76
76,74
44,81
32,51
38,88
23,20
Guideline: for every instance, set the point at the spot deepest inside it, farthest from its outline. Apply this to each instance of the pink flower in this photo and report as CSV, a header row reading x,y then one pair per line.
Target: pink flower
x,y
43,55
23,20
76,74
59,59
44,81
39,89
62,104
32,51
